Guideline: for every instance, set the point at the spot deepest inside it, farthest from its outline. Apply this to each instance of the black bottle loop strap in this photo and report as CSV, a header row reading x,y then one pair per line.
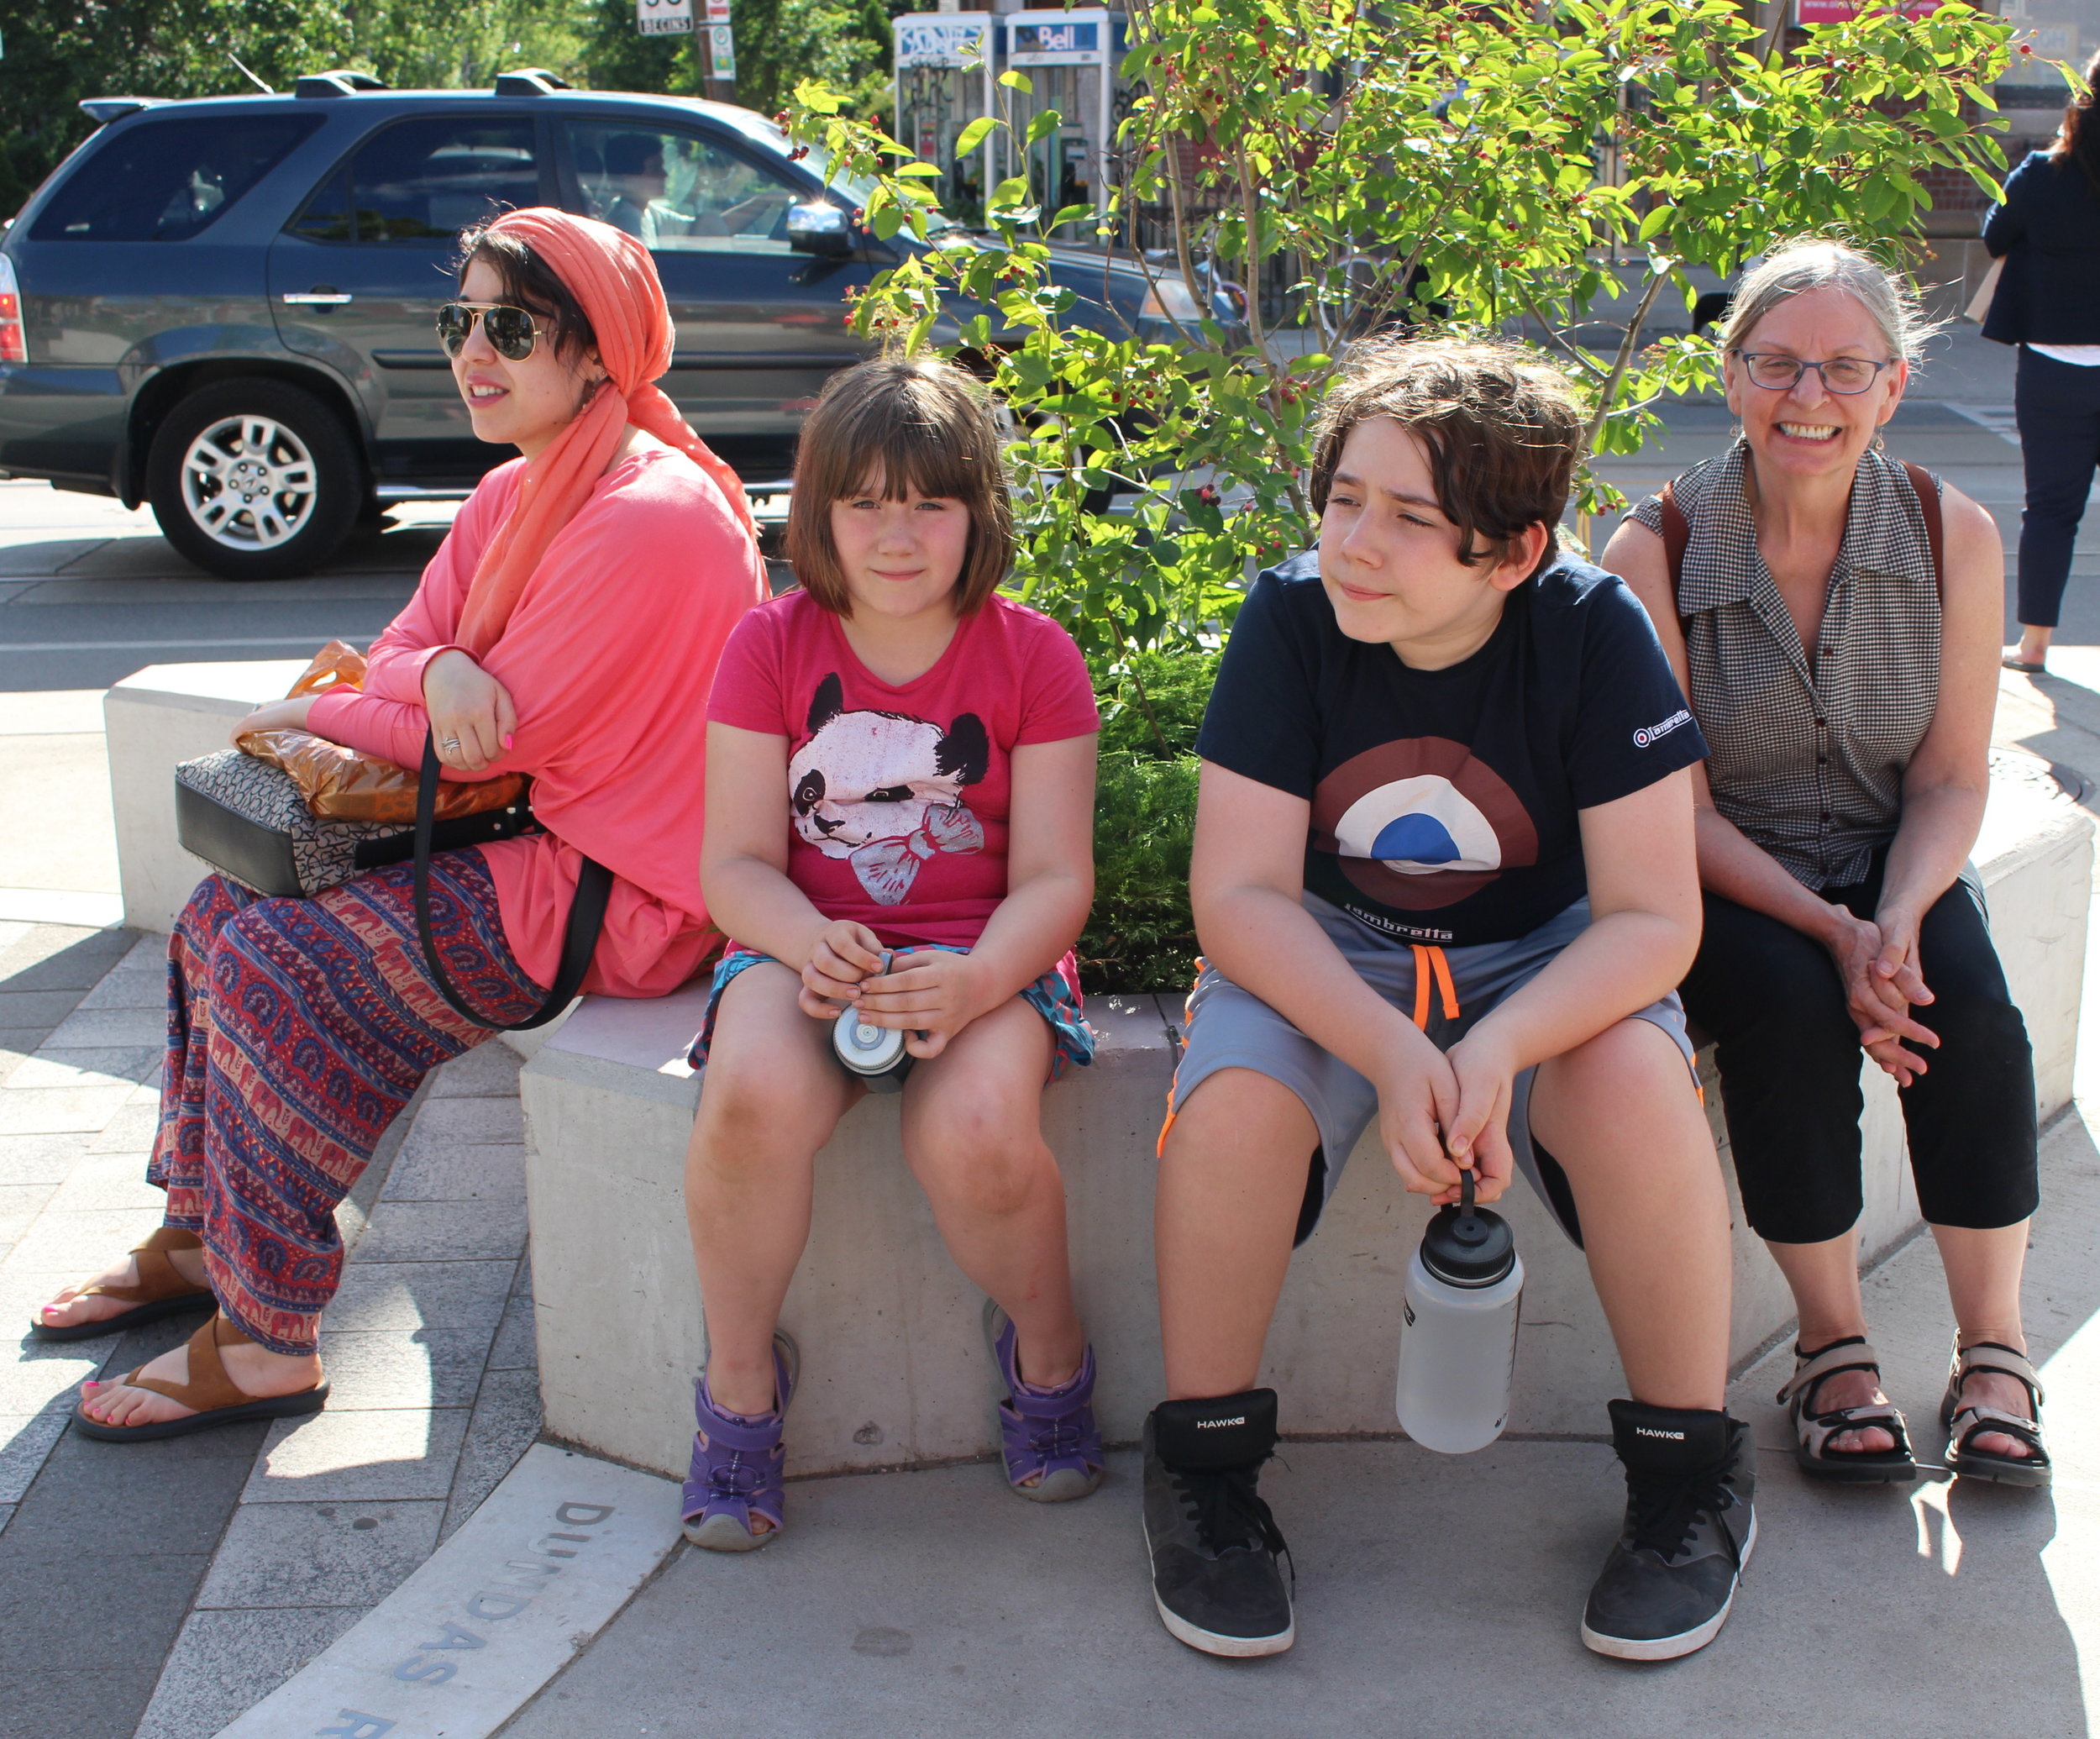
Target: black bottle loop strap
x,y
586,916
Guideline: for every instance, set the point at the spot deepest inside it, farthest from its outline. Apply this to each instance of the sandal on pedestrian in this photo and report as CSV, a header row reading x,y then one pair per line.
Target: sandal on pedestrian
x,y
1813,1431
1051,1446
160,1291
1966,1420
738,1465
209,1390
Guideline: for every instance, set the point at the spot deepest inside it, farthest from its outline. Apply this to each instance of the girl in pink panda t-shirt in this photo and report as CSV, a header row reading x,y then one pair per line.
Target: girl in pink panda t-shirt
x,y
900,766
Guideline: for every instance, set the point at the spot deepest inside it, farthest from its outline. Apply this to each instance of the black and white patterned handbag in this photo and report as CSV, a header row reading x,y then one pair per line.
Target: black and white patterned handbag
x,y
248,820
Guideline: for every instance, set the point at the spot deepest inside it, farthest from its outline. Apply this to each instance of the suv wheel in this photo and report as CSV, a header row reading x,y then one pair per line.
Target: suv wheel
x,y
255,479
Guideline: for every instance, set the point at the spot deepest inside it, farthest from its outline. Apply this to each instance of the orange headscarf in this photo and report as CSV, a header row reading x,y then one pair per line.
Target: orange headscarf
x,y
611,274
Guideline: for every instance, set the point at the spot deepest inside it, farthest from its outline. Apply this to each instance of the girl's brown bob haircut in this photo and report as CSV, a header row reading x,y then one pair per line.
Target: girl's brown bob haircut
x,y
895,427
1502,428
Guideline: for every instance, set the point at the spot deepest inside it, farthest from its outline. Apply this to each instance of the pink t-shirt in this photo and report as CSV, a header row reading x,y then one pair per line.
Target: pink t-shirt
x,y
899,796
607,655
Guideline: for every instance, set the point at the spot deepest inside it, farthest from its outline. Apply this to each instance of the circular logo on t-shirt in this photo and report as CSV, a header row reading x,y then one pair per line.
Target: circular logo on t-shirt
x,y
1420,823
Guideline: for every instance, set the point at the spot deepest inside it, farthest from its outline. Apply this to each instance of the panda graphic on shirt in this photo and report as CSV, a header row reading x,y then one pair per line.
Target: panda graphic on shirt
x,y
883,790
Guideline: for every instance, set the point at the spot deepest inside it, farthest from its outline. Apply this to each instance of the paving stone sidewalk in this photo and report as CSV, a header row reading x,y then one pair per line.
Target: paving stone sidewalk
x,y
220,1565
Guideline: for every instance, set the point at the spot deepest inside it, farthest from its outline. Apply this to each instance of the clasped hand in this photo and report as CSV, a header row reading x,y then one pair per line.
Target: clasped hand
x,y
1877,962
1441,1111
930,995
472,718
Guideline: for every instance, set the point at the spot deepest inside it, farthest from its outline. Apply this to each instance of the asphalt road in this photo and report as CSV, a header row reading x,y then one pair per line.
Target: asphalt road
x,y
90,593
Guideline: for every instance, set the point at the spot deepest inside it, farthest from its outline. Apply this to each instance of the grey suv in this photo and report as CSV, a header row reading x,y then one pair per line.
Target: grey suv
x,y
225,308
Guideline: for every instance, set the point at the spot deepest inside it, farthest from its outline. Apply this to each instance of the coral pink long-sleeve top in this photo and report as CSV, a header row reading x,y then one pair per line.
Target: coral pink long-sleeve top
x,y
608,656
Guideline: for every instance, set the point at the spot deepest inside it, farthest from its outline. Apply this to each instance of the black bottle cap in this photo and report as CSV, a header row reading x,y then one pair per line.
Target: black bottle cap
x,y
1467,1245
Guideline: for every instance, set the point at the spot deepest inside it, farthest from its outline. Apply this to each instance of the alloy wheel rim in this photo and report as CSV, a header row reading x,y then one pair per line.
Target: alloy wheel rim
x,y
248,482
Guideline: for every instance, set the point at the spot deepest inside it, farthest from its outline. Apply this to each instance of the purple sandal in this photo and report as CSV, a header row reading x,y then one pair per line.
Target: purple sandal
x,y
737,1463
1048,1435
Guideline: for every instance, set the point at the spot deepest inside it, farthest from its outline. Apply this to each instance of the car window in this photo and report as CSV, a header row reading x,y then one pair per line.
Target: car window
x,y
678,192
166,181
427,181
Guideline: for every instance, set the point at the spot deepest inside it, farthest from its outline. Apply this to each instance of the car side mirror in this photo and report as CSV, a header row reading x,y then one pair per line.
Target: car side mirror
x,y
819,227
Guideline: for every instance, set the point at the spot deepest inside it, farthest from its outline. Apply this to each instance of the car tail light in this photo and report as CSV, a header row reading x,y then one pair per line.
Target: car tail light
x,y
14,342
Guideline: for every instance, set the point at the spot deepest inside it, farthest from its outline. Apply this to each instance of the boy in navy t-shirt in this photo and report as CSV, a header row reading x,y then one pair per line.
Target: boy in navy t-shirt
x,y
1444,877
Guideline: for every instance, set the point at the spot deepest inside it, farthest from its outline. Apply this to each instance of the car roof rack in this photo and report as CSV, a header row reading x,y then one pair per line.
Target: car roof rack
x,y
340,81
529,82
102,110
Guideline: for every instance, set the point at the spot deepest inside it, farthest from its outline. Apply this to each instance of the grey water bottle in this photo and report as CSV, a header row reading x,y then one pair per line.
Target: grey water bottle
x,y
1458,1340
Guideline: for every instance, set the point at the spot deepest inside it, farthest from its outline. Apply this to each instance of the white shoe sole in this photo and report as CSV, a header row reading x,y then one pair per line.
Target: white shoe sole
x,y
1209,1642
1669,1648
1238,1648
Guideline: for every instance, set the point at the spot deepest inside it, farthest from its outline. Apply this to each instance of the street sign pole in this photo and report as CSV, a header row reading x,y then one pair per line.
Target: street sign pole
x,y
718,43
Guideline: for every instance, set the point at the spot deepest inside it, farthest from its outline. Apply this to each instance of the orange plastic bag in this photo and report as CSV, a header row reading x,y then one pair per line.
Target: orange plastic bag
x,y
343,784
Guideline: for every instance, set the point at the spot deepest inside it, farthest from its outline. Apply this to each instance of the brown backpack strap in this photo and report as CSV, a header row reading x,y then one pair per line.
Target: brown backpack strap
x,y
1677,534
1927,489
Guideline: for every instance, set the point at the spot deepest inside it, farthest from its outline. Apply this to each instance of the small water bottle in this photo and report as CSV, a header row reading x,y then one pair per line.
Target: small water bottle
x,y
876,1055
1458,1342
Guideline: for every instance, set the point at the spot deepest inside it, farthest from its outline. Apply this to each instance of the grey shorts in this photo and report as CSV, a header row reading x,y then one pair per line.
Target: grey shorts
x,y
1227,1028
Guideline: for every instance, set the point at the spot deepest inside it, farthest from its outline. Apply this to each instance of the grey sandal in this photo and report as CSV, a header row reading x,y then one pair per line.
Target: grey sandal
x,y
1812,1431
1966,1420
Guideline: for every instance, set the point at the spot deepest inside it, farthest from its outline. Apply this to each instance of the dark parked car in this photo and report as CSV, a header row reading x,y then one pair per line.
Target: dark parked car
x,y
225,308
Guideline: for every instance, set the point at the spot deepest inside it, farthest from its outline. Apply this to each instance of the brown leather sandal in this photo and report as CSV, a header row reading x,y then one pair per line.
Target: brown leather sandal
x,y
1966,1421
209,1390
160,1291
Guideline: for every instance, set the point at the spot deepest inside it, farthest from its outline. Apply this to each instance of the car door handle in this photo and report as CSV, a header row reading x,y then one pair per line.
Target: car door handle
x,y
315,299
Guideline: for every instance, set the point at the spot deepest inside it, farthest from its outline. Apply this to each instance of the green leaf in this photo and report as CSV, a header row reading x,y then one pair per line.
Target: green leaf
x,y
975,135
1016,80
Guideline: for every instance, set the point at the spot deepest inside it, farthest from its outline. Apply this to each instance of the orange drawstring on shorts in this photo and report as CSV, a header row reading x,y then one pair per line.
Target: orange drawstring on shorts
x,y
1431,963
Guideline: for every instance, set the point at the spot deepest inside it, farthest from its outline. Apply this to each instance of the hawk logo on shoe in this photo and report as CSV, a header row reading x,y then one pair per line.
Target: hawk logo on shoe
x,y
1218,1424
1644,1431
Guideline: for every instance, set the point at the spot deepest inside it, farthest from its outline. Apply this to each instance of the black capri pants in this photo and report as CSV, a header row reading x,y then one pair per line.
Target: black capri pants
x,y
1789,1057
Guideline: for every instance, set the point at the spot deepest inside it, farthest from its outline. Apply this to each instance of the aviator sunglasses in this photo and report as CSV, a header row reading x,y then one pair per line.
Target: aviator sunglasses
x,y
510,331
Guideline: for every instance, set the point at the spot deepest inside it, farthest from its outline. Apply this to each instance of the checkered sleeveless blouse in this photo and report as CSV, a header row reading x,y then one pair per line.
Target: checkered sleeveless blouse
x,y
1809,745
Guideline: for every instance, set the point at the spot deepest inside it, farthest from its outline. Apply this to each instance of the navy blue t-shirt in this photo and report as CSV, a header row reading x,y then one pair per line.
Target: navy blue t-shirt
x,y
1444,802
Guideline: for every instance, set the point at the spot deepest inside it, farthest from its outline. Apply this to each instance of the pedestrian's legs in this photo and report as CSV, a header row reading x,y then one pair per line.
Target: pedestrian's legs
x,y
2058,408
1621,1115
318,1019
972,1132
1231,1182
770,1098
1973,1140
1789,1057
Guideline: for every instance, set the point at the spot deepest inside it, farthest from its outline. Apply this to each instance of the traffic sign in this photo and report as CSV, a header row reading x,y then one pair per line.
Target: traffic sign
x,y
722,51
664,18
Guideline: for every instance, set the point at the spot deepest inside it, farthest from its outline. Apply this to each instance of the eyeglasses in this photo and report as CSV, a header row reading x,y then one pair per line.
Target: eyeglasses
x,y
511,333
1844,374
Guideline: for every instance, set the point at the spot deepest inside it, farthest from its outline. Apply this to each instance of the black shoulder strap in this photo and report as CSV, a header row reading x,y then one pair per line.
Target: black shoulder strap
x,y
1928,490
586,915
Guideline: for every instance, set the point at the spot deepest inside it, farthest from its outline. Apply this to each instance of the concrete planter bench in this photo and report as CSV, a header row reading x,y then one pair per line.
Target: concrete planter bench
x,y
894,1371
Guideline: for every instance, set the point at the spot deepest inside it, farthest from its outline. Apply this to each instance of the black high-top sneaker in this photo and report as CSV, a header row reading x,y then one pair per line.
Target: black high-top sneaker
x,y
1214,1543
1690,1525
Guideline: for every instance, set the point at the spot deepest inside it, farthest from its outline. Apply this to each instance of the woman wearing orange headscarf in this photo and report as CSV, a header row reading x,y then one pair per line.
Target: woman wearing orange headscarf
x,y
568,627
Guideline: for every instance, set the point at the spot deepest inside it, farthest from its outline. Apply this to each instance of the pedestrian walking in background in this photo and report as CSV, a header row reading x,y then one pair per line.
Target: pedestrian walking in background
x,y
568,627
2048,303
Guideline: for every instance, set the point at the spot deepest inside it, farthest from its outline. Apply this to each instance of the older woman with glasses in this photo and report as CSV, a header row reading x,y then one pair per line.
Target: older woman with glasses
x,y
1834,617
568,627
